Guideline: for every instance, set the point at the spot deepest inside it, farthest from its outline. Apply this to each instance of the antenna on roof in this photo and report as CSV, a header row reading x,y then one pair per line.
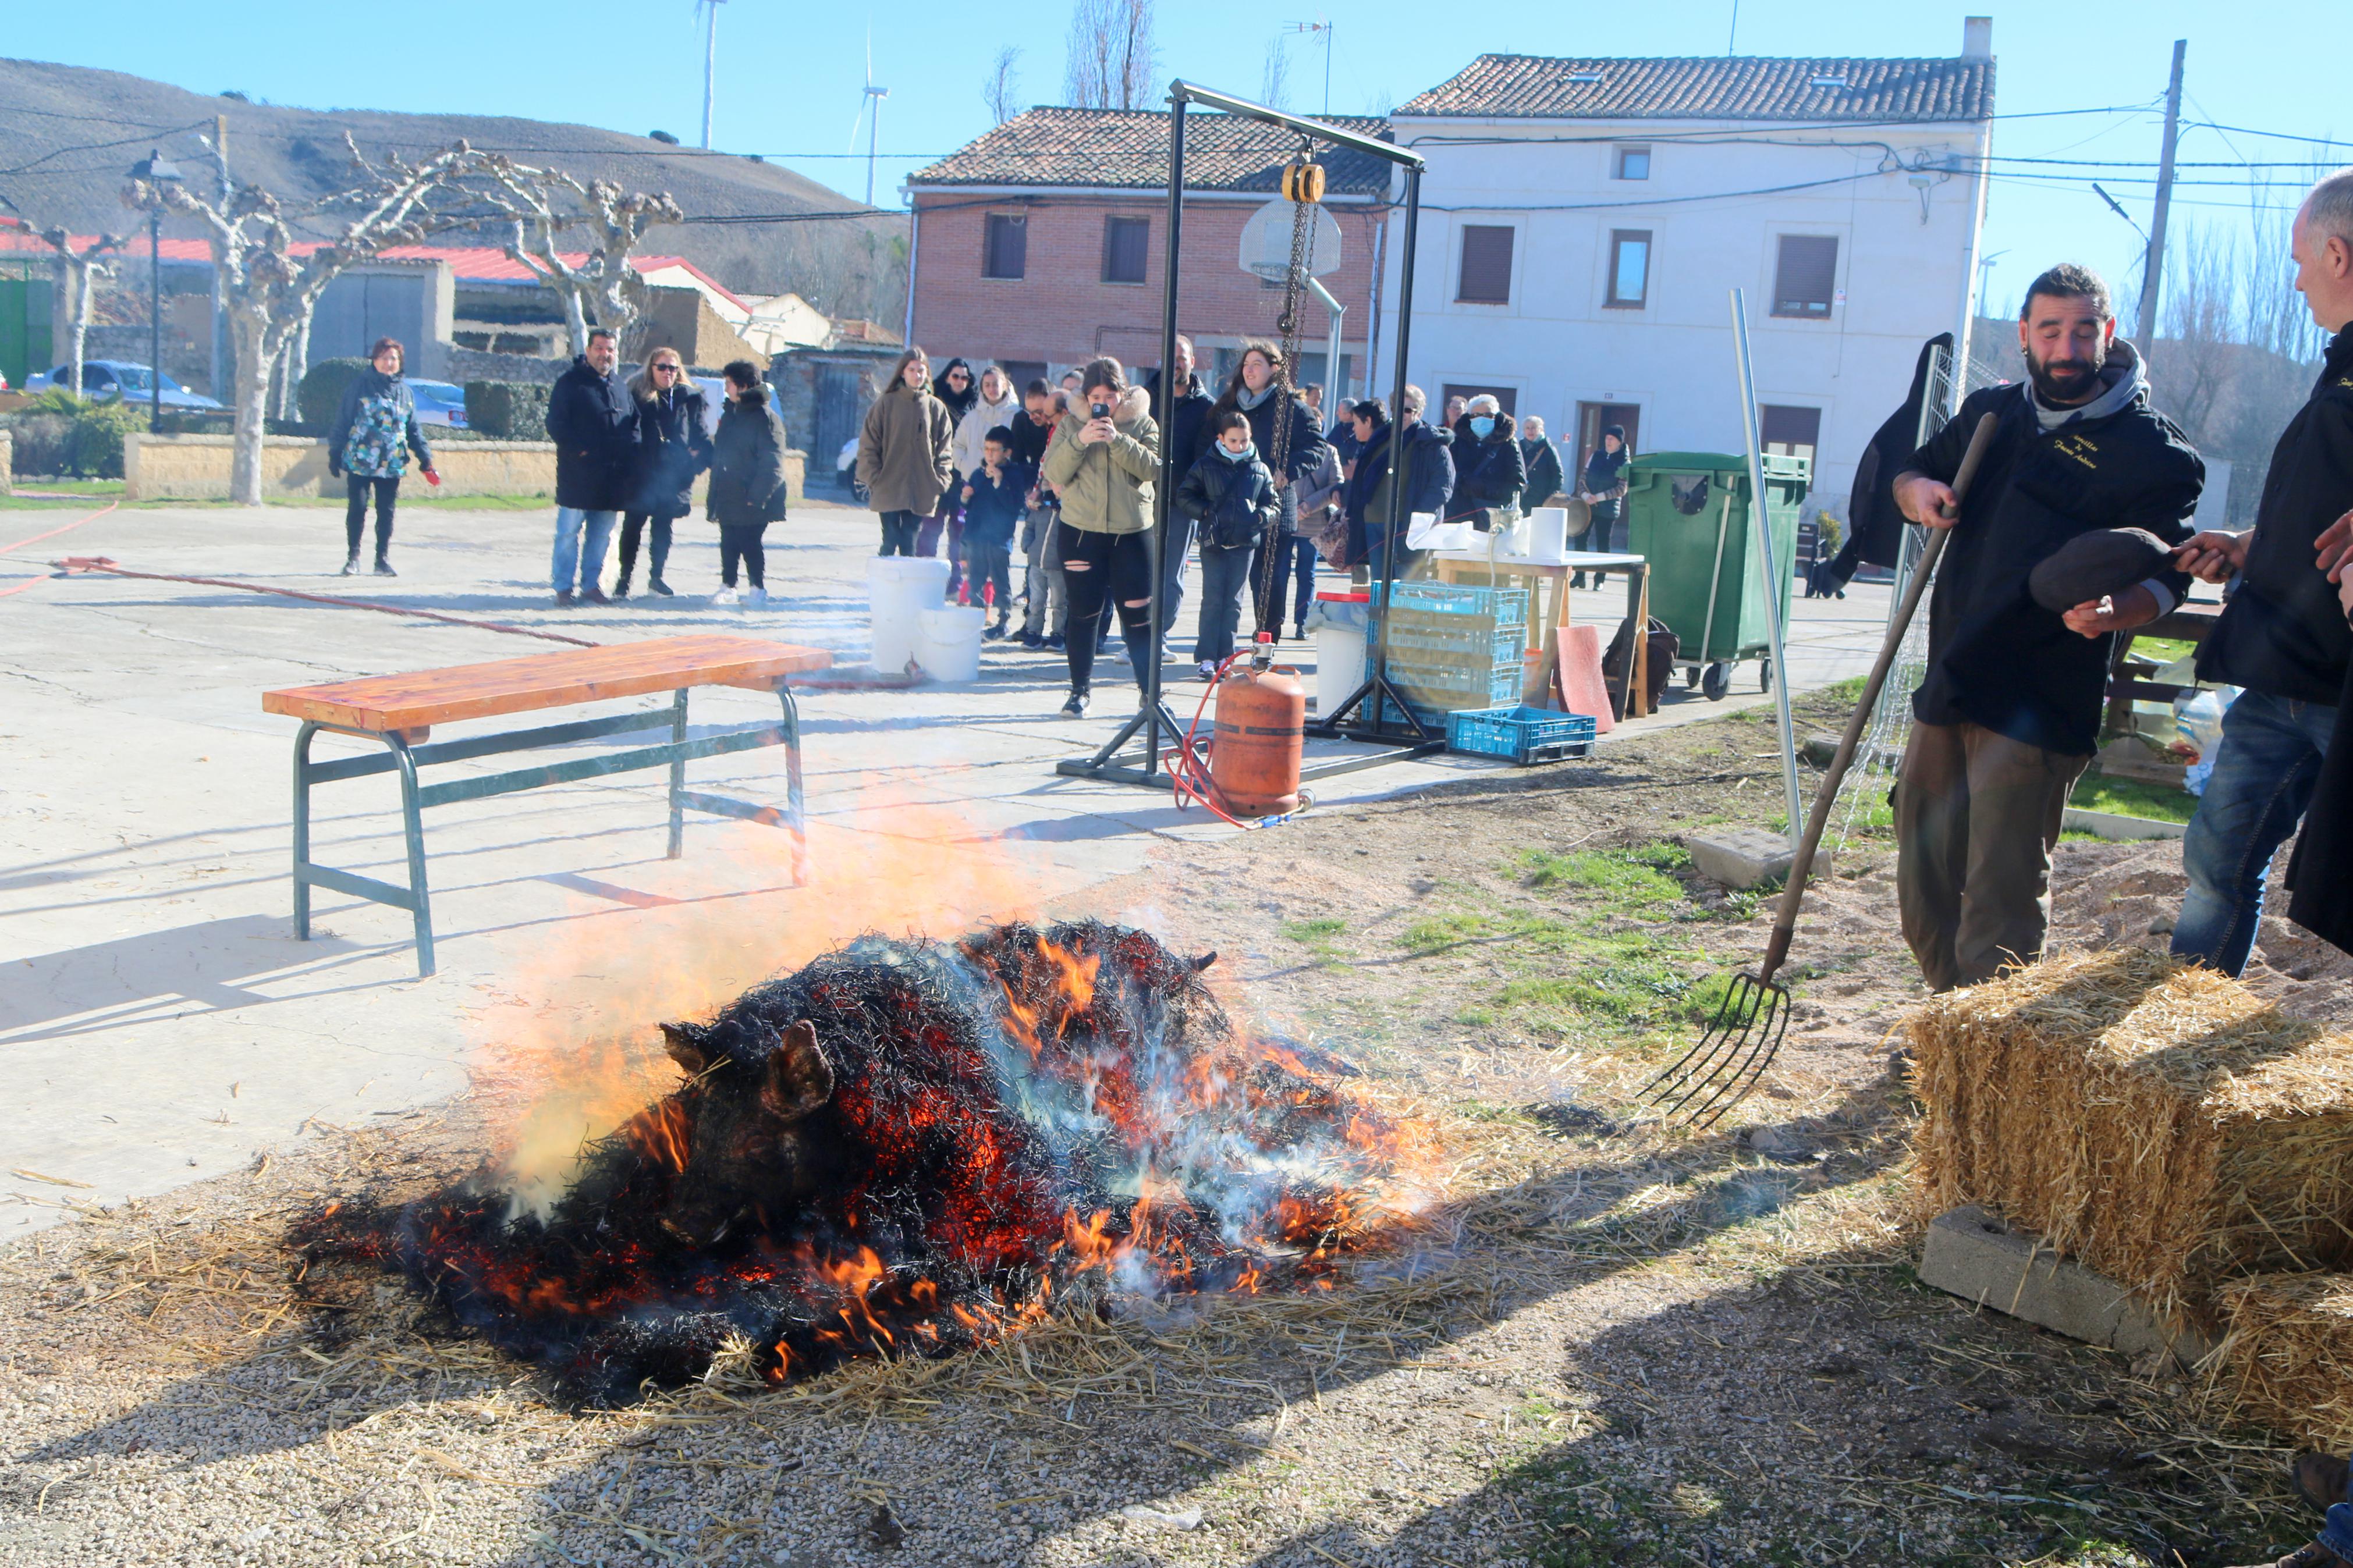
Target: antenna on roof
x,y
1732,39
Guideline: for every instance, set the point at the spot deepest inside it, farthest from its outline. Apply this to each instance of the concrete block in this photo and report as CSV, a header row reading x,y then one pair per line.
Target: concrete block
x,y
2114,825
1748,856
2132,759
1987,1261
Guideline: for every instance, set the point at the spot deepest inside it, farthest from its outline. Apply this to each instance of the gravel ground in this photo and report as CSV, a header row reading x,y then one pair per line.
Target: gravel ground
x,y
1621,1343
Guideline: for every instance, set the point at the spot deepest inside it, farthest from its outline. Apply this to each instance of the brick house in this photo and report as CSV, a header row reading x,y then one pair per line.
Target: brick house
x,y
1041,245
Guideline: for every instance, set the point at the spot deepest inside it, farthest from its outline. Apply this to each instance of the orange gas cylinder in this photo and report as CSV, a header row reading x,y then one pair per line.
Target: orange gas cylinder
x,y
1254,761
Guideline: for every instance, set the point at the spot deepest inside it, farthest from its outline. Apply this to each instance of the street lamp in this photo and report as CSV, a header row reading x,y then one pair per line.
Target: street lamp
x,y
157,170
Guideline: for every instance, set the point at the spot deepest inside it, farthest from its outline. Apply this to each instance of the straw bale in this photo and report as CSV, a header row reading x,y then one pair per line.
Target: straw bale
x,y
2287,1363
2158,1122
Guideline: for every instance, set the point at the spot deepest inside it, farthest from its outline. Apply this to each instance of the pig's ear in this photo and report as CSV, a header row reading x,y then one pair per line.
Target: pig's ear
x,y
687,1047
800,1079
1203,962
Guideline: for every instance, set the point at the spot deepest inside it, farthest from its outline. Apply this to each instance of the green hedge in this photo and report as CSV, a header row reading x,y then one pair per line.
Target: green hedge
x,y
321,392
94,444
508,410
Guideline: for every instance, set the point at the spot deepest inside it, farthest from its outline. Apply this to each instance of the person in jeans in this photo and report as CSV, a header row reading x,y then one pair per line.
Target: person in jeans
x,y
1229,494
1102,462
368,445
2281,638
1185,439
1295,547
2324,1482
1046,609
958,390
2008,715
593,421
672,447
904,453
994,498
747,481
1601,484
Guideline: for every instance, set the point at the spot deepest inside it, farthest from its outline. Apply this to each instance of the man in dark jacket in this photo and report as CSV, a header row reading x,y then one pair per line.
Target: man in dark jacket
x,y
2283,640
2009,713
1546,478
1188,438
593,421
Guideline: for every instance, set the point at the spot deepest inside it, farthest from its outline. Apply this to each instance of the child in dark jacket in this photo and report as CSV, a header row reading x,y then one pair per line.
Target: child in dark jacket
x,y
1231,496
994,498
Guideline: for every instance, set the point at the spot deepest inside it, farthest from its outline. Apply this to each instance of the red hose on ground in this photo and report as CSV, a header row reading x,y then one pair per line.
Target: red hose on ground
x,y
52,533
1189,771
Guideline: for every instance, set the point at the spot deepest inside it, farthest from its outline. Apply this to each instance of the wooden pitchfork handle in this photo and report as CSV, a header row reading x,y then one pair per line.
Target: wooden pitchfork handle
x,y
1785,920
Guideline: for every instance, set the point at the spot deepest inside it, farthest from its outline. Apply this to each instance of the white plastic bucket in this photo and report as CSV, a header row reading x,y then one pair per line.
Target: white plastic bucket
x,y
898,589
1339,665
947,642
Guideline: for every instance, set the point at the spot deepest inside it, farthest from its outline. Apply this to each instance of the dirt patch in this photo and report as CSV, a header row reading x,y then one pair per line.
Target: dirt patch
x,y
1622,1343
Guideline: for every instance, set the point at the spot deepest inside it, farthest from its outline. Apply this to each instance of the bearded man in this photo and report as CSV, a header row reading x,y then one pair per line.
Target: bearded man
x,y
2009,713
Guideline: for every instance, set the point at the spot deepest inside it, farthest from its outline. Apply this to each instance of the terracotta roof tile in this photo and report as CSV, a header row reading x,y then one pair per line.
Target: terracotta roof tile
x,y
1535,87
1129,149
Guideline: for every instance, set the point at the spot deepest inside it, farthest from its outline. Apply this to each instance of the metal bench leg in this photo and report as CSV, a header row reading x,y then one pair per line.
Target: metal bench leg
x,y
302,828
413,827
795,816
678,777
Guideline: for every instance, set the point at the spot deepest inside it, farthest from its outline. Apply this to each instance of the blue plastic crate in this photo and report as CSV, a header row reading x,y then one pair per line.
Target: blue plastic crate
x,y
1454,686
1521,733
1506,607
1455,635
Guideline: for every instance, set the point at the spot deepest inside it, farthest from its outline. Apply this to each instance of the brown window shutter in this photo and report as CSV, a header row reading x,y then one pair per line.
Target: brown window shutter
x,y
1125,240
1005,245
1806,279
1486,278
1785,425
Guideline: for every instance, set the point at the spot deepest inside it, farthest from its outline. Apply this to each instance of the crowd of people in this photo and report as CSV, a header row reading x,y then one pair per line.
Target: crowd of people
x,y
1270,485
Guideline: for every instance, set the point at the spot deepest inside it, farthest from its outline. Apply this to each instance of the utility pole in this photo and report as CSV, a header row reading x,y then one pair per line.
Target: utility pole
x,y
2153,271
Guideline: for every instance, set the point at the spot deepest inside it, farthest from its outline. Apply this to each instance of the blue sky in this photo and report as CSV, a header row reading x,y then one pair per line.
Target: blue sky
x,y
790,74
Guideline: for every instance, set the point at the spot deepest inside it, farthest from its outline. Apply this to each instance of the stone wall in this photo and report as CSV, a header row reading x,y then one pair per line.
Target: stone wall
x,y
8,462
196,467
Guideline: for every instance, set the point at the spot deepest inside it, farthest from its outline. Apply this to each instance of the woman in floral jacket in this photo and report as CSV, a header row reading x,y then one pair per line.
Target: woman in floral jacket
x,y
368,445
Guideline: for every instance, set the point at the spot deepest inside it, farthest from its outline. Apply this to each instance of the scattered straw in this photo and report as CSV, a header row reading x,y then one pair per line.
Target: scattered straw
x,y
2161,1122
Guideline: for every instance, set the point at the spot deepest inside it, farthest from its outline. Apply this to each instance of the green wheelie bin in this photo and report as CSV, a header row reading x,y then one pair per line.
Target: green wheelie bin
x,y
1687,515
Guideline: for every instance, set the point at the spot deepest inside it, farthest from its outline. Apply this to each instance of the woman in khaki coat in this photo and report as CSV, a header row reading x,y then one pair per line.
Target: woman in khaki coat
x,y
903,452
1103,461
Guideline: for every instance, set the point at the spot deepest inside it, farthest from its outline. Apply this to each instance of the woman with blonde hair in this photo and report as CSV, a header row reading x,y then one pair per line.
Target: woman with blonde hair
x,y
904,458
673,446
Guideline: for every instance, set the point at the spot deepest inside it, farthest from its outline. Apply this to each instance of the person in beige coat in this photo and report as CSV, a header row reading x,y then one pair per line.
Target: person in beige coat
x,y
1104,462
903,457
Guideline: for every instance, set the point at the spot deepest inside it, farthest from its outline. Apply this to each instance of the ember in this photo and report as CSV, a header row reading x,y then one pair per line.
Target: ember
x,y
911,1148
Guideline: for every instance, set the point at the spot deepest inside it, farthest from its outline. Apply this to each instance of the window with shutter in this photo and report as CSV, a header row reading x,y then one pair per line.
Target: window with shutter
x,y
1125,243
1630,268
1486,275
1788,430
1806,281
1005,248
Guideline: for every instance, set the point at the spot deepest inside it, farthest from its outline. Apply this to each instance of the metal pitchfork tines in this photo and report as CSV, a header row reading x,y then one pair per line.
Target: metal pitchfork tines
x,y
1734,1051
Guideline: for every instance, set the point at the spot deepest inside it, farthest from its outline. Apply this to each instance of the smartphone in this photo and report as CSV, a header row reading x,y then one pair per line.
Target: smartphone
x,y
1100,410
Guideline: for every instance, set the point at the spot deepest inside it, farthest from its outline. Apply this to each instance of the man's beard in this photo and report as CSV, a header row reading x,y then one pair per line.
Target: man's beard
x,y
2075,381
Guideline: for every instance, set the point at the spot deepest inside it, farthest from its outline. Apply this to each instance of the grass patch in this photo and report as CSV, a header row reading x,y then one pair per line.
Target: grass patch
x,y
1314,930
1631,882
2130,797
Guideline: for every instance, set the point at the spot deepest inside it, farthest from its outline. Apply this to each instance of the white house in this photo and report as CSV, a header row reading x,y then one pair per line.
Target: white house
x,y
1583,221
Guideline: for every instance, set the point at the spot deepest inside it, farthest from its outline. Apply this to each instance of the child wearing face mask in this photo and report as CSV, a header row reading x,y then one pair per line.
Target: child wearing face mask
x,y
1231,495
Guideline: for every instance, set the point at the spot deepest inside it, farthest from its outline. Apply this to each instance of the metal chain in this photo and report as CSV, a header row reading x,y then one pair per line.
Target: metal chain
x,y
1267,609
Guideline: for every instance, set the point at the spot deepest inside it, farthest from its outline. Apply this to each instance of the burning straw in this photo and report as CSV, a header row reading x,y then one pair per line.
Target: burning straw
x,y
2288,1361
2161,1122
916,1148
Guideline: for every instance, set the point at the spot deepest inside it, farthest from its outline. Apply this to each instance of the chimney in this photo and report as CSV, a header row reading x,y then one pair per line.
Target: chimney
x,y
1977,38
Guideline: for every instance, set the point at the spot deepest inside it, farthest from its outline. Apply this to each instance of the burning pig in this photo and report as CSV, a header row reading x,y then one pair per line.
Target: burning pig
x,y
911,1147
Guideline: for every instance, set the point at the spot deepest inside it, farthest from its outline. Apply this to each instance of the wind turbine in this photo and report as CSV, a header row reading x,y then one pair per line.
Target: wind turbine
x,y
710,12
871,99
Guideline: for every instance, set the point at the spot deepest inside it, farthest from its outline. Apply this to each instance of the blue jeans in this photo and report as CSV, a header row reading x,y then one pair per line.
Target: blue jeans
x,y
2336,1532
580,553
2262,780
1295,559
1225,574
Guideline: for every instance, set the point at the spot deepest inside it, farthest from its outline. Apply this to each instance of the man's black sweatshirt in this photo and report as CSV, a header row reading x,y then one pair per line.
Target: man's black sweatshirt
x,y
2283,633
1995,657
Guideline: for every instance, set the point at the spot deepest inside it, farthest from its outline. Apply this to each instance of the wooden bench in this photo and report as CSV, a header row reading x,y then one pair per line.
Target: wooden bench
x,y
399,711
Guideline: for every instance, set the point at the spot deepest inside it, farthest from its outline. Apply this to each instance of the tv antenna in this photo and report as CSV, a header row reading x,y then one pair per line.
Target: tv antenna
x,y
1322,25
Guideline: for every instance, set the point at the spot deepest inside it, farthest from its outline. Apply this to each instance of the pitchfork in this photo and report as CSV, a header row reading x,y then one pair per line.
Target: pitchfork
x,y
1735,1049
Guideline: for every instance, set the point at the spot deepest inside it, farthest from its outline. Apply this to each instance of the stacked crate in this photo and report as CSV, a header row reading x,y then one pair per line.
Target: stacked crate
x,y
1451,649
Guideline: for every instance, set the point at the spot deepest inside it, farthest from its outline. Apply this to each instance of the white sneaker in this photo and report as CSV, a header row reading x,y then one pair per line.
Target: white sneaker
x,y
756,597
724,597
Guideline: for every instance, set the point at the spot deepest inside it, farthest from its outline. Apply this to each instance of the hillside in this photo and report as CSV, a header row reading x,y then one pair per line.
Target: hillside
x,y
51,115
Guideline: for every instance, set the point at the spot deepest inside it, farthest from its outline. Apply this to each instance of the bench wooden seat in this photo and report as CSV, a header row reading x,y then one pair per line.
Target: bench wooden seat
x,y
399,711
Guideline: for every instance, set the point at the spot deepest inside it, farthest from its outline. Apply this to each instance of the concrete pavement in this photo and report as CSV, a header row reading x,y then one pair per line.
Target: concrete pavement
x,y
158,1021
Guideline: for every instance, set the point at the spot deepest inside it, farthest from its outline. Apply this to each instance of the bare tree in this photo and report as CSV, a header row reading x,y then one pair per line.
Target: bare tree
x,y
602,289
1274,87
1111,57
1003,87
269,291
79,271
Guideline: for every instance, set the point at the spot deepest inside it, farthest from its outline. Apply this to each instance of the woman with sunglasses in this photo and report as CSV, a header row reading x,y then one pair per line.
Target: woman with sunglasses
x,y
673,446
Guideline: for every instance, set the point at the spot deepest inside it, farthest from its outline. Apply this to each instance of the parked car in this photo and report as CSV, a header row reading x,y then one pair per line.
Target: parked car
x,y
106,378
440,403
